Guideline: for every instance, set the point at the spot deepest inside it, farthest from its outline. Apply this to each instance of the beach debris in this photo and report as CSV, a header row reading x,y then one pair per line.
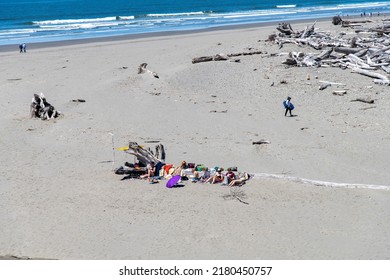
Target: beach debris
x,y
336,20
221,56
365,54
40,108
142,69
215,111
145,156
262,141
339,92
324,86
366,108
364,100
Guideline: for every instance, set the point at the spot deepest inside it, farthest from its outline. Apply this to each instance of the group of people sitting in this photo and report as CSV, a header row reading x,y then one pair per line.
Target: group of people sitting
x,y
195,173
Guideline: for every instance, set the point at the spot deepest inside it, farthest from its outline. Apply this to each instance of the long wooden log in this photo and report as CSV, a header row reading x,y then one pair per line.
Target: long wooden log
x,y
346,50
371,74
364,100
219,57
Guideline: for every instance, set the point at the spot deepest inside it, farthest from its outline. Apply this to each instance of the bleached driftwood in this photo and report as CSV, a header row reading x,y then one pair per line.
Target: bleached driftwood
x,y
143,155
361,53
221,56
377,76
339,92
142,69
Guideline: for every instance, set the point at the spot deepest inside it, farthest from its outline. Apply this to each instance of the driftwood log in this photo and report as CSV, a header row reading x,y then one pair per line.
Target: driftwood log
x,y
262,141
145,156
221,56
364,100
142,69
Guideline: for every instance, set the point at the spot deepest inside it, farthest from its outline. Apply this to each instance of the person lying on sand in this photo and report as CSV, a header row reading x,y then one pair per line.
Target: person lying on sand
x,y
240,181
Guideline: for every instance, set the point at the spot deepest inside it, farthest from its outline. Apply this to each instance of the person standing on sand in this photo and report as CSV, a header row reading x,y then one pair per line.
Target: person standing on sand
x,y
288,106
22,47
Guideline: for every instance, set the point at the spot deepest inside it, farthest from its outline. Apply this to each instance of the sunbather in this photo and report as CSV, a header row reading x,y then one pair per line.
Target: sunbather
x,y
217,178
151,171
240,181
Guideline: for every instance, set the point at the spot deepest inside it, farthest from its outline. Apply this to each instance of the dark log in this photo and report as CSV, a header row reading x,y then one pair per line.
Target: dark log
x,y
346,50
262,141
365,100
219,57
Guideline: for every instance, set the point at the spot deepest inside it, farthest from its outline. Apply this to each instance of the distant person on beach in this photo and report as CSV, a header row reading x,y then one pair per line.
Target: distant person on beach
x,y
288,106
22,47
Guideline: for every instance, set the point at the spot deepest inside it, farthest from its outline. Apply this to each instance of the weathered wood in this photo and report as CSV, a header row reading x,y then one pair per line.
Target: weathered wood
x,y
262,141
324,86
339,92
219,57
364,100
346,50
371,74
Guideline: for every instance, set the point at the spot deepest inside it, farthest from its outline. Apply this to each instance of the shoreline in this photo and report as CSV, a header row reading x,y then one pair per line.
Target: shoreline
x,y
164,34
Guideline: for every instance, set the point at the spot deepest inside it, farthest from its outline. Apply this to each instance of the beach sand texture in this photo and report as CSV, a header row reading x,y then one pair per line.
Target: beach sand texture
x,y
60,200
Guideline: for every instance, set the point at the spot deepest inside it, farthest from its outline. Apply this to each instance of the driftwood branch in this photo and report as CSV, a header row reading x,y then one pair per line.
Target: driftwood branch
x,y
364,100
262,141
219,57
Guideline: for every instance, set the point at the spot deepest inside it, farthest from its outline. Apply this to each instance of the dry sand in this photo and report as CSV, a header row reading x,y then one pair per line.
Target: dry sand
x,y
60,200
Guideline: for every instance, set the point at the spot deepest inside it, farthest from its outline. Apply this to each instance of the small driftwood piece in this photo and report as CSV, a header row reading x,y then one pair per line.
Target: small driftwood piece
x,y
142,69
324,86
364,100
262,141
339,92
332,83
367,108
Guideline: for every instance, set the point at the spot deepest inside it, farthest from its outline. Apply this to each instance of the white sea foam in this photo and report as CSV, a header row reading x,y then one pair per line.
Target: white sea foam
x,y
70,21
285,6
175,14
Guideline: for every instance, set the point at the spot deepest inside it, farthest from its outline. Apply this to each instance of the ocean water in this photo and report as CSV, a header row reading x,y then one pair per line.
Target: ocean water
x,y
55,20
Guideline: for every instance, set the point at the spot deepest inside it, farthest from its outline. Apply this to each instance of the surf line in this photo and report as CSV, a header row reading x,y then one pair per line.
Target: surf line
x,y
321,183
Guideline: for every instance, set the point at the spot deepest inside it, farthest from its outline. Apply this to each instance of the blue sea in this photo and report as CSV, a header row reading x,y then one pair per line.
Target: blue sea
x,y
56,20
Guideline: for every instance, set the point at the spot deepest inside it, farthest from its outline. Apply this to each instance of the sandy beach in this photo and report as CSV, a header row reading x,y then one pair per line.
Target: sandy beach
x,y
61,200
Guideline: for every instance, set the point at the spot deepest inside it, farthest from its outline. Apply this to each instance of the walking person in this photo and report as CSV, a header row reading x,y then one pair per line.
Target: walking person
x,y
22,47
288,106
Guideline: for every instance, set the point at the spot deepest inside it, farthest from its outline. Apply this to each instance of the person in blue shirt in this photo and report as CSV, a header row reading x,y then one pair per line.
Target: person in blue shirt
x,y
288,106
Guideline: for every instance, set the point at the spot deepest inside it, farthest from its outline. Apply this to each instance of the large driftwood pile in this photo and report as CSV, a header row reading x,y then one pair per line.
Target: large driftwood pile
x,y
365,54
145,156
